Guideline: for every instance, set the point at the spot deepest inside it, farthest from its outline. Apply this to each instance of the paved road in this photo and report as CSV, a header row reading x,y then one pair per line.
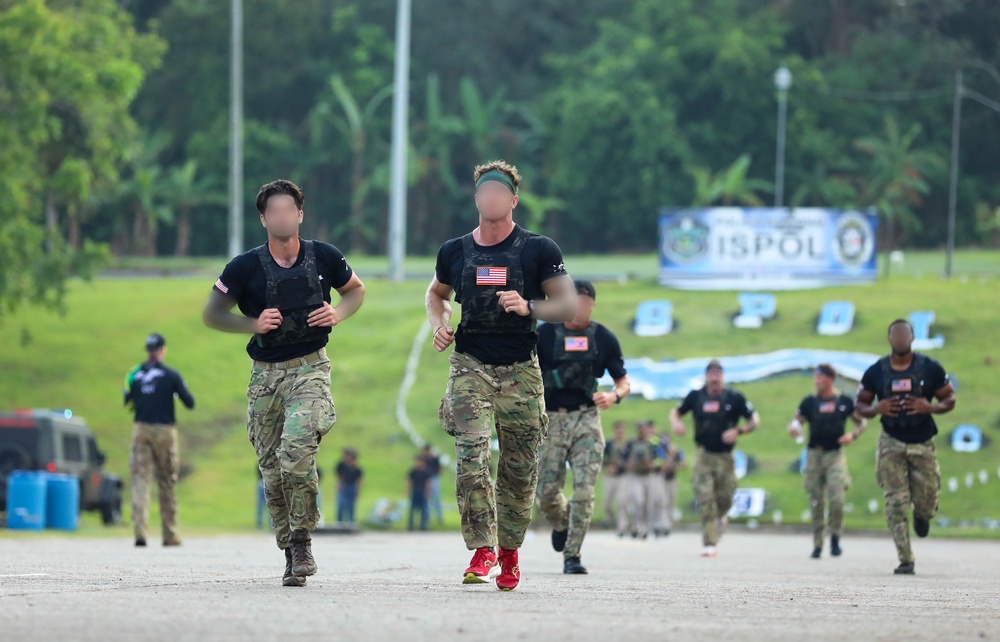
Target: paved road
x,y
407,588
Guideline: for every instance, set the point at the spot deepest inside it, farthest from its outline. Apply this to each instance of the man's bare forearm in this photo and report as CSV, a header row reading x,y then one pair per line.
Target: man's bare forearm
x,y
438,310
559,310
226,321
350,302
751,424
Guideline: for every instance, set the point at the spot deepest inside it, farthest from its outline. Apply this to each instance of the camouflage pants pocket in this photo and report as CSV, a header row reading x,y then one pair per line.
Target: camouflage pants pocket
x,y
446,416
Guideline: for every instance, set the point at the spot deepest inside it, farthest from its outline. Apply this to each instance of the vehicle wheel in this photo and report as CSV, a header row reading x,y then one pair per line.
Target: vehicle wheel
x,y
111,510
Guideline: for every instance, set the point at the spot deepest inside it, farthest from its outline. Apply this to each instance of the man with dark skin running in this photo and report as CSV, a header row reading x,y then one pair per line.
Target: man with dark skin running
x,y
910,387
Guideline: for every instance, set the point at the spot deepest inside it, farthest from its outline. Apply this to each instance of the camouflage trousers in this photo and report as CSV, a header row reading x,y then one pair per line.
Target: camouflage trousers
x,y
826,482
575,437
478,397
154,454
908,474
289,410
714,481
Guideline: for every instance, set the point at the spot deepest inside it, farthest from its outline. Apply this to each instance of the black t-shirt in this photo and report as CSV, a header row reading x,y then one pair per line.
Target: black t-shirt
x,y
151,387
714,416
418,478
432,463
931,378
827,418
244,281
609,357
541,260
348,475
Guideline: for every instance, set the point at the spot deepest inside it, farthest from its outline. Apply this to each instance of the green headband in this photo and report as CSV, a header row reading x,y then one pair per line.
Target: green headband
x,y
498,176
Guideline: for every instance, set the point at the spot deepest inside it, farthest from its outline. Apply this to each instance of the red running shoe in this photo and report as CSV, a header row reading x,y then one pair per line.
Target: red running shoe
x,y
483,567
510,573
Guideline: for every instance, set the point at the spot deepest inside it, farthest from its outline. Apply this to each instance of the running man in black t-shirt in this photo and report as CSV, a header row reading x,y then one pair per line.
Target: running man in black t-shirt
x,y
906,385
282,289
717,413
505,278
825,474
572,357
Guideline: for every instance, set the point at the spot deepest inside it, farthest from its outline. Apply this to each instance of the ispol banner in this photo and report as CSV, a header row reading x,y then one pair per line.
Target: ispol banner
x,y
761,248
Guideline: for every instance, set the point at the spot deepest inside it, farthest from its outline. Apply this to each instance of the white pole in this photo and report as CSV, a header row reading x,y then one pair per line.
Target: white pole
x,y
400,105
956,128
783,80
236,131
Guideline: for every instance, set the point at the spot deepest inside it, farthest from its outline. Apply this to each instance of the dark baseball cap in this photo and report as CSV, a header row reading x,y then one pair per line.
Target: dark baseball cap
x,y
585,288
714,364
155,341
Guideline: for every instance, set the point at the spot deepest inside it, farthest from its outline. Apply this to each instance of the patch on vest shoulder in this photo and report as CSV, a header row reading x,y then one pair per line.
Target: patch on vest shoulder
x,y
491,276
710,406
577,344
902,385
828,407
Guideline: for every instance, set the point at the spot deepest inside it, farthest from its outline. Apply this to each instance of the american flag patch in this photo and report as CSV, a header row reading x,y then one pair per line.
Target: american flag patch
x,y
902,385
828,407
710,406
221,286
491,276
577,344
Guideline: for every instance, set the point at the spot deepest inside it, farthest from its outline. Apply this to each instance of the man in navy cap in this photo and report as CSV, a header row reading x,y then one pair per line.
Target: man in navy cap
x,y
150,389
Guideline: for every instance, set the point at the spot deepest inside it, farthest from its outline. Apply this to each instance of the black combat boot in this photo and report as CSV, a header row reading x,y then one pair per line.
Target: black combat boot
x,y
922,527
904,568
559,540
572,566
835,545
288,579
817,553
303,563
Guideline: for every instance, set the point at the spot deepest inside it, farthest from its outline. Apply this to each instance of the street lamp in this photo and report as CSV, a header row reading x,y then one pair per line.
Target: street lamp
x,y
236,129
783,81
400,110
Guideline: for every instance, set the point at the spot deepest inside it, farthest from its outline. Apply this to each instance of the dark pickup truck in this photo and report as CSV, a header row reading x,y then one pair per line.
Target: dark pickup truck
x,y
56,442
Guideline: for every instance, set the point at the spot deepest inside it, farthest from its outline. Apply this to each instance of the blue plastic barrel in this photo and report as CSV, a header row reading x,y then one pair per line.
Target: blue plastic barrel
x,y
62,502
26,494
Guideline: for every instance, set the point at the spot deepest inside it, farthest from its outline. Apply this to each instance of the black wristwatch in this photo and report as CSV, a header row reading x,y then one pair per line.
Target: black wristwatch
x,y
618,397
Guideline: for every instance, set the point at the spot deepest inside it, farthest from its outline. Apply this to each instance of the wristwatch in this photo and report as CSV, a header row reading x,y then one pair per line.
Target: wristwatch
x,y
531,307
618,397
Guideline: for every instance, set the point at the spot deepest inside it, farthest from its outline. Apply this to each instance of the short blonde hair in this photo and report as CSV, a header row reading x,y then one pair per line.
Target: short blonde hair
x,y
501,166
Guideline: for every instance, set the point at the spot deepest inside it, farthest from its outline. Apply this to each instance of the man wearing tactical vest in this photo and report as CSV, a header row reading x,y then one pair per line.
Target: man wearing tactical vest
x,y
505,278
572,357
282,289
717,412
615,453
642,467
826,477
906,385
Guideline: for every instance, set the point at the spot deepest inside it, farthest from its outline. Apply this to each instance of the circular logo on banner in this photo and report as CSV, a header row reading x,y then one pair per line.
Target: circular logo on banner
x,y
853,240
685,240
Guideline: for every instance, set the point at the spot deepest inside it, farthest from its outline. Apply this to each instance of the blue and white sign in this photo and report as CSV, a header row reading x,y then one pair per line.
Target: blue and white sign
x,y
765,248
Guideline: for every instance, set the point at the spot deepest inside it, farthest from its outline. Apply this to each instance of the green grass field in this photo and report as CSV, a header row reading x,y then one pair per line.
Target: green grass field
x,y
78,362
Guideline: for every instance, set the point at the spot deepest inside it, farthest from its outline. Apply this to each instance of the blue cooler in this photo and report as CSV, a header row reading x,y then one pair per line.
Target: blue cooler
x,y
26,495
63,502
